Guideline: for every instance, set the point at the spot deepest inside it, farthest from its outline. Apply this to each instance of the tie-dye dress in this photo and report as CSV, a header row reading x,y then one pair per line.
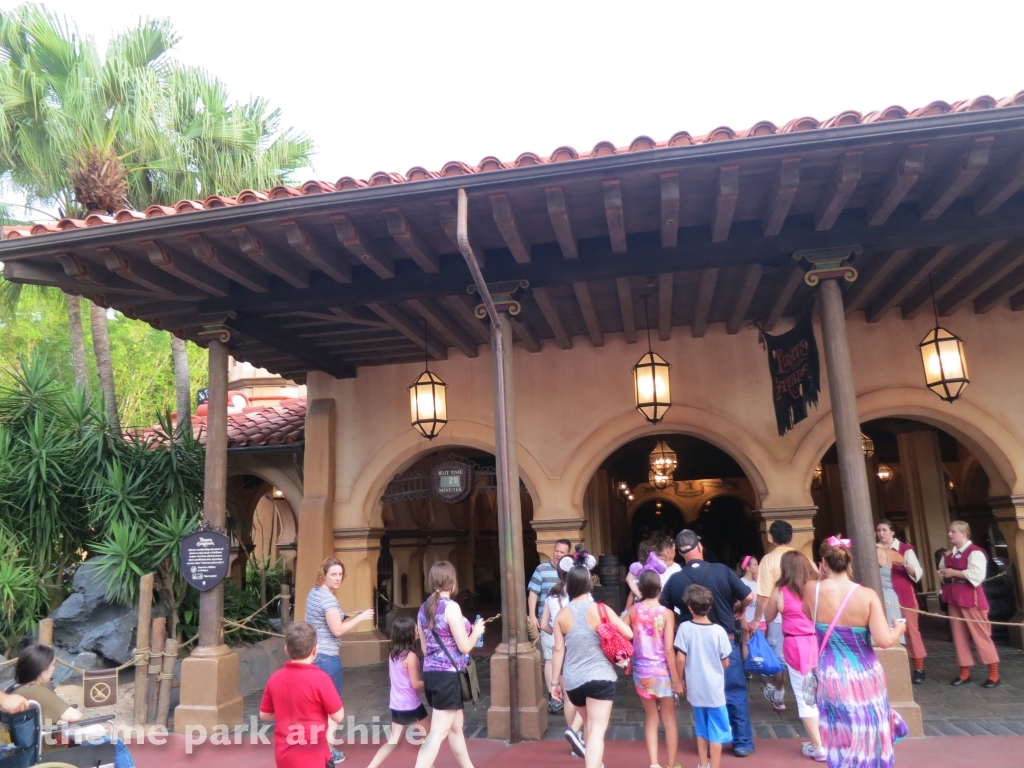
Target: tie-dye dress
x,y
858,727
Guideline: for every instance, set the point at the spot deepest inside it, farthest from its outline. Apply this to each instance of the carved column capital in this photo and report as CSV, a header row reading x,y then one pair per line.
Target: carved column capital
x,y
829,263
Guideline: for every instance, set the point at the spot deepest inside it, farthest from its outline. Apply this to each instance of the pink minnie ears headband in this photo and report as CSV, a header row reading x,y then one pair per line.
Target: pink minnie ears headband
x,y
835,541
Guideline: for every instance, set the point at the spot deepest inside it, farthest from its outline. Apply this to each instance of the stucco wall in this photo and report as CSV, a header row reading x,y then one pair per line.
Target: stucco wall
x,y
574,407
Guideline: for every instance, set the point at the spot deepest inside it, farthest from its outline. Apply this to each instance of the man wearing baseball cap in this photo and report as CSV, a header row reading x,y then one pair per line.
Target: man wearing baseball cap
x,y
731,596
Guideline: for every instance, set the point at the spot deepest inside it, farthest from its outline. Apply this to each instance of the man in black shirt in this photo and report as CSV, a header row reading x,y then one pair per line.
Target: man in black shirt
x,y
731,596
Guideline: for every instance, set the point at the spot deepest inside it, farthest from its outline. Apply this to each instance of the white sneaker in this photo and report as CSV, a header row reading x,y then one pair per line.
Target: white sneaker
x,y
776,697
819,755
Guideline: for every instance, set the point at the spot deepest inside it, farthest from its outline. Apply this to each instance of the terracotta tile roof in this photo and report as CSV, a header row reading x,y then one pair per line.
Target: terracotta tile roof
x,y
561,154
279,424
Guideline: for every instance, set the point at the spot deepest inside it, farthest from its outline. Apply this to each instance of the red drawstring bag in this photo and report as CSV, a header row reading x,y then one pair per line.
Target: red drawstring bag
x,y
615,647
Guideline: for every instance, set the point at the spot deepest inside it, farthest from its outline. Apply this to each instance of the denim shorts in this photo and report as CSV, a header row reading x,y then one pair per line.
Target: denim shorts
x,y
332,666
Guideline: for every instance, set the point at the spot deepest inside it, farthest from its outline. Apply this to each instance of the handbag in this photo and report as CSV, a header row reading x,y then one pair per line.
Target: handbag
x,y
467,677
761,659
617,649
810,688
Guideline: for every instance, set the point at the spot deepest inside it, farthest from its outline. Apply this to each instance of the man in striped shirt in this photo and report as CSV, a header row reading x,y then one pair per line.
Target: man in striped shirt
x,y
545,576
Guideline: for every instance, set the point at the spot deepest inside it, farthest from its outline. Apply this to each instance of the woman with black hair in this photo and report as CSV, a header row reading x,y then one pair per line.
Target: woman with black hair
x,y
33,674
589,678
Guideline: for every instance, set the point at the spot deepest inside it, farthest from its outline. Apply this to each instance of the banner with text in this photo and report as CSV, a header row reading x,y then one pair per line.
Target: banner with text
x,y
796,380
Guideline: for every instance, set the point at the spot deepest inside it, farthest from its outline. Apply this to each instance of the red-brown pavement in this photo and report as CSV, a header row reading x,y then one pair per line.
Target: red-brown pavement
x,y
912,753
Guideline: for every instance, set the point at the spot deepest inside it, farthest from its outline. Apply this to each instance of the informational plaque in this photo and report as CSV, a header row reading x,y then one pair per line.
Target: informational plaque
x,y
453,481
204,559
99,687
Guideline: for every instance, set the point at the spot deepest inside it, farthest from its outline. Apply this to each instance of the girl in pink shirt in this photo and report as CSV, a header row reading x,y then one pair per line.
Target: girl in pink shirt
x,y
404,670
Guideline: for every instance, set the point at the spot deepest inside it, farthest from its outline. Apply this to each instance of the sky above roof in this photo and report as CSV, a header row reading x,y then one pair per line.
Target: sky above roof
x,y
385,86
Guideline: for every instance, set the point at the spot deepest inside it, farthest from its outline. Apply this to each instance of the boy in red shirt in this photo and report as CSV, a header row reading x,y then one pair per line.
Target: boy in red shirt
x,y
301,698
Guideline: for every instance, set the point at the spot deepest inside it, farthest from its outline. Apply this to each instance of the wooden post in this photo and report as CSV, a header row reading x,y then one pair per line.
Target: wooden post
x,y
163,705
286,607
142,648
211,602
46,632
156,657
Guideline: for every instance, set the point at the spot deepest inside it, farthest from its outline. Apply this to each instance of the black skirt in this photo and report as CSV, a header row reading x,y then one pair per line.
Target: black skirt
x,y
401,717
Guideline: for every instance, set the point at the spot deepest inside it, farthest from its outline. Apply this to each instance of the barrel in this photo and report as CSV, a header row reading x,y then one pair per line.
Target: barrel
x,y
608,570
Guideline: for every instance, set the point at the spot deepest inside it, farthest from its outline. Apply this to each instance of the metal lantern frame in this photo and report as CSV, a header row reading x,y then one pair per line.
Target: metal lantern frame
x,y
649,370
938,347
661,482
867,446
428,388
663,460
885,473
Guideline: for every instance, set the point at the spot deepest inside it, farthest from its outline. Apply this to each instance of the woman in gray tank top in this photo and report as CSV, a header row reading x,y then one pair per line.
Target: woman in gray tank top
x,y
588,676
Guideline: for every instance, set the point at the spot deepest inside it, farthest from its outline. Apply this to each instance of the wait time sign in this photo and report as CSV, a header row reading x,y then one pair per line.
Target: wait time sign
x,y
453,481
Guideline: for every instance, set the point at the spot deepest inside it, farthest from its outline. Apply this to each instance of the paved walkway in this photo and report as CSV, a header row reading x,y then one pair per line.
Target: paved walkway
x,y
947,711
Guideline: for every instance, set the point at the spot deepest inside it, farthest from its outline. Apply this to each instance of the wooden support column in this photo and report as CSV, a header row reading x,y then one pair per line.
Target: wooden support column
x,y
316,513
802,520
924,483
359,550
209,677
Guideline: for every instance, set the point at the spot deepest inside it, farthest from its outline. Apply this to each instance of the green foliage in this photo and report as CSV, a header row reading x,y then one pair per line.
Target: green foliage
x,y
23,597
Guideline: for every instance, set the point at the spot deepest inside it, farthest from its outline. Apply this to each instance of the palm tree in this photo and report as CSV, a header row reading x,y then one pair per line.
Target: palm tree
x,y
95,134
182,388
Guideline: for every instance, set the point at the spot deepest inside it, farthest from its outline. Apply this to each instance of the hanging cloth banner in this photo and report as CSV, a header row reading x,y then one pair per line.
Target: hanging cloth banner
x,y
796,379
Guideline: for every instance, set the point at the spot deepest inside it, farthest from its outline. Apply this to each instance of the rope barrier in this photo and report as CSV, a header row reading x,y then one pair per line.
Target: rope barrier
x,y
956,618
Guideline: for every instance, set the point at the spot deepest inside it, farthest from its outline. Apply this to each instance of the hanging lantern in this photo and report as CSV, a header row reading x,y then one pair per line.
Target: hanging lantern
x,y
651,386
945,366
428,399
661,482
663,459
867,445
818,471
885,473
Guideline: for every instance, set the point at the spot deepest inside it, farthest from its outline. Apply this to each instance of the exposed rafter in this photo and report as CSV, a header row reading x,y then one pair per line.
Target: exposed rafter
x,y
751,279
1017,301
625,291
505,219
407,237
554,320
356,317
145,275
228,264
945,279
615,214
992,275
995,295
412,329
997,191
665,284
725,202
151,310
360,247
558,212
787,182
669,210
903,178
36,273
956,180
449,223
909,279
462,307
525,334
185,269
270,259
268,334
858,294
444,325
793,281
701,310
840,188
318,257
586,302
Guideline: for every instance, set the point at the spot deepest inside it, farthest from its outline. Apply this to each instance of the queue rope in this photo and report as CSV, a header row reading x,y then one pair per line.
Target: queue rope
x,y
956,618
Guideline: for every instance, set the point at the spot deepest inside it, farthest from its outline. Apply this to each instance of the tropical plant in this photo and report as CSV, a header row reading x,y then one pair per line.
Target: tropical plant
x,y
23,596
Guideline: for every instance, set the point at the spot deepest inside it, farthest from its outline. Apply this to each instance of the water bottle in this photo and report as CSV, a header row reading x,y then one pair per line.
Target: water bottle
x,y
479,640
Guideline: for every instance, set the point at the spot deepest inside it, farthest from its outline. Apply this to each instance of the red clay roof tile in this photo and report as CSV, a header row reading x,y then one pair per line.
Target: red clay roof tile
x,y
98,220
277,424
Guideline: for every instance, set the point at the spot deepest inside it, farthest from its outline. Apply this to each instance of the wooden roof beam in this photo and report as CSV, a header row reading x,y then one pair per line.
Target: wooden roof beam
x,y
505,219
410,241
787,182
945,280
525,334
558,211
331,264
93,276
341,346
725,202
462,307
270,260
793,281
669,210
997,293
40,273
398,319
444,325
449,223
701,310
231,266
666,281
625,291
991,274
350,316
315,358
586,302
145,275
1017,301
908,280
185,269
149,310
360,247
614,214
858,294
751,280
840,188
891,193
1001,188
971,163
554,320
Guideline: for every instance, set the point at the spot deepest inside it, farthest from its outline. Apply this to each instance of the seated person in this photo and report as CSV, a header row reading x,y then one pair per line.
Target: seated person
x,y
12,704
33,674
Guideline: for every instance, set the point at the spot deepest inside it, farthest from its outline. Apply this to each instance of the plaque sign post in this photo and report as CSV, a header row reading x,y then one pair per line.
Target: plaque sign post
x,y
205,556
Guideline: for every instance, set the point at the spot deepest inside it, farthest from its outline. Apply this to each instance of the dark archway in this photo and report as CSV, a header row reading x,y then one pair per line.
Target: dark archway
x,y
727,531
654,517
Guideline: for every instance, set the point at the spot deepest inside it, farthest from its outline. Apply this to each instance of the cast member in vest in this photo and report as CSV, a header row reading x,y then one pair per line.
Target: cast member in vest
x,y
962,569
905,575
